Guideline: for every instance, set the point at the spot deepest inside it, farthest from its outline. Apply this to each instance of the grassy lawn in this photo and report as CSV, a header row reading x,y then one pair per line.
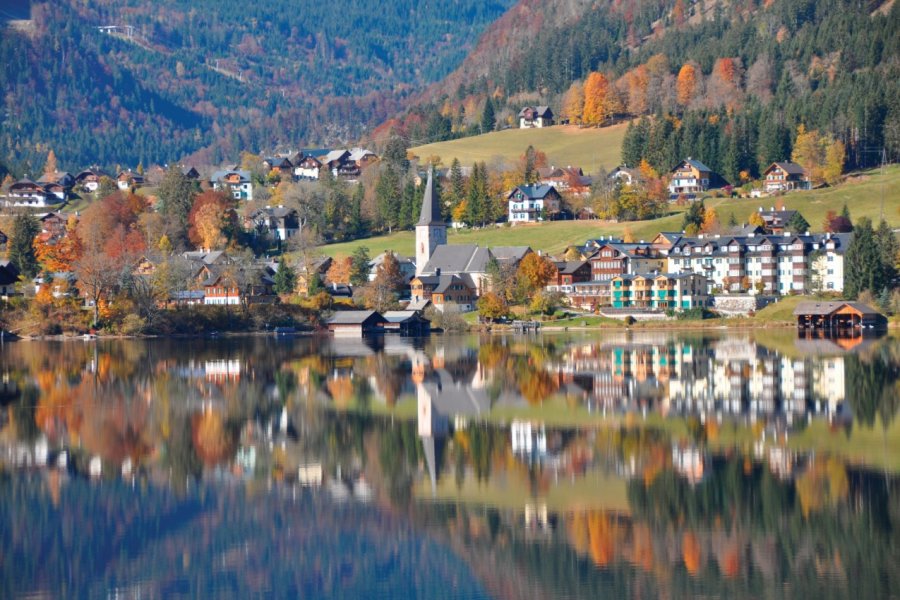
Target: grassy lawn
x,y
564,145
861,193
549,237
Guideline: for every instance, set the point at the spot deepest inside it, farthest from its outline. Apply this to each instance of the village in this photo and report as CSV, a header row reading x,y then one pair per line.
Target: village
x,y
732,270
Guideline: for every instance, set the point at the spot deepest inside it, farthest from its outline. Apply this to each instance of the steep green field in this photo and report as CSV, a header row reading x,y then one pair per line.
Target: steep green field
x,y
564,145
862,193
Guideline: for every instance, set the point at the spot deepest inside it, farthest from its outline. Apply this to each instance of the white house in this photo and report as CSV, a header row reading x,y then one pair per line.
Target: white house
x,y
236,183
28,193
535,116
531,203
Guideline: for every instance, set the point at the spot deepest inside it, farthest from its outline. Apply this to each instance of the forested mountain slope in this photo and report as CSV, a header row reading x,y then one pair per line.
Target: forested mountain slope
x,y
719,76
176,76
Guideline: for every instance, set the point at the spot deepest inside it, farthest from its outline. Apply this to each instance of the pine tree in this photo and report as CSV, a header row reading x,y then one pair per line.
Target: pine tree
x,y
285,278
863,269
488,119
388,198
797,223
359,266
21,244
474,201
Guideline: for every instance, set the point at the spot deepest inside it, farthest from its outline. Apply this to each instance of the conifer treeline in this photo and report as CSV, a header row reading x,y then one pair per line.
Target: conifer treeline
x,y
752,73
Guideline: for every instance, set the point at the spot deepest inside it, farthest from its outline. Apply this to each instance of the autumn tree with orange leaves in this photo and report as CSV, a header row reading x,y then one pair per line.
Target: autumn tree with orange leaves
x,y
687,84
212,221
598,100
535,271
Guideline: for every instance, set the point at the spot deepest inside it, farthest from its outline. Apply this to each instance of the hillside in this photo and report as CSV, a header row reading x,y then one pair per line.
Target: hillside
x,y
734,79
862,195
178,76
589,149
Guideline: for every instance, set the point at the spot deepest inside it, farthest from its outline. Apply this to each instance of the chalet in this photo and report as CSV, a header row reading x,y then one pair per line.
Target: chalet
x,y
786,176
340,164
356,322
689,178
53,225
445,290
28,193
128,180
406,322
568,273
237,285
56,189
281,165
89,179
9,275
307,168
280,222
362,158
236,183
836,316
531,203
776,221
190,172
535,116
566,179
624,175
619,258
63,178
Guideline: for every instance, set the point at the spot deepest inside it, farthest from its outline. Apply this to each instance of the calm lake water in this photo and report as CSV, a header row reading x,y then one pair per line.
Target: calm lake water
x,y
629,465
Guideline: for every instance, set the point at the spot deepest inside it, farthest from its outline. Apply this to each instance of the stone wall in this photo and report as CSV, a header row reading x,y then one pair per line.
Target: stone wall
x,y
739,304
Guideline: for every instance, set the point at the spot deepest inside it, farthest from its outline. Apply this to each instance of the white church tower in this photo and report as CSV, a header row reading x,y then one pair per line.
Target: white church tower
x,y
431,231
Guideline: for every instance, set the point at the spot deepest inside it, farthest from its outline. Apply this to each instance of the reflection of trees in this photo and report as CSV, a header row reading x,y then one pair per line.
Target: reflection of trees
x,y
873,385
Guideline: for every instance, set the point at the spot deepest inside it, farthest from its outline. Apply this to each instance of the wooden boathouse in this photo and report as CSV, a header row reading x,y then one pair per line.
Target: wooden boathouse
x,y
837,316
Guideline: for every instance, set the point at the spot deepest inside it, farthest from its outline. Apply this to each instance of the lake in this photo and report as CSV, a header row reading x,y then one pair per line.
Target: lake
x,y
572,465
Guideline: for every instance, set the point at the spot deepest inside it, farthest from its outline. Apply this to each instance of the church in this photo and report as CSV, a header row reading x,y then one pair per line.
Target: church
x,y
451,275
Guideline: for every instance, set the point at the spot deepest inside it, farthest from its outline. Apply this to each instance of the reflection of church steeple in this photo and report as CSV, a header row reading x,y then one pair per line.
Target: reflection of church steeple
x,y
432,429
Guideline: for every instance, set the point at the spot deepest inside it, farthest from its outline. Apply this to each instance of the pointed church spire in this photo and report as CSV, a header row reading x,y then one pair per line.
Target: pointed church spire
x,y
431,208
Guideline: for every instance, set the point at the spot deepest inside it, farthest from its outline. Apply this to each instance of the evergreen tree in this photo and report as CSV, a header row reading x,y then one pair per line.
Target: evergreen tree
x,y
634,145
474,200
285,278
354,214
457,191
693,218
488,118
359,266
396,154
888,251
531,175
388,198
176,197
797,223
21,244
863,267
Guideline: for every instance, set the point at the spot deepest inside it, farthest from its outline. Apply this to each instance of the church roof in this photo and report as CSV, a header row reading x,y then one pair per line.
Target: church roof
x,y
431,209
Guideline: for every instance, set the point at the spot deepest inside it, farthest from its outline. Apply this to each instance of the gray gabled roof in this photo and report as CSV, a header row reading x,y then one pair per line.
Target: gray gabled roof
x,y
534,192
354,317
219,175
788,167
431,208
510,253
694,163
458,258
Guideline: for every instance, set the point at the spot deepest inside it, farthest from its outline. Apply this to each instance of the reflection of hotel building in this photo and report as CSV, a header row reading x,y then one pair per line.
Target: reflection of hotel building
x,y
730,377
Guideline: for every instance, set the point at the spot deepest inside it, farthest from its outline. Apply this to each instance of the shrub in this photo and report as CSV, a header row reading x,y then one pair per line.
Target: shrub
x,y
132,325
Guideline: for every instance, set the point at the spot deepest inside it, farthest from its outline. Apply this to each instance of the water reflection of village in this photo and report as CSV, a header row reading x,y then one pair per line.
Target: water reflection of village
x,y
490,429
